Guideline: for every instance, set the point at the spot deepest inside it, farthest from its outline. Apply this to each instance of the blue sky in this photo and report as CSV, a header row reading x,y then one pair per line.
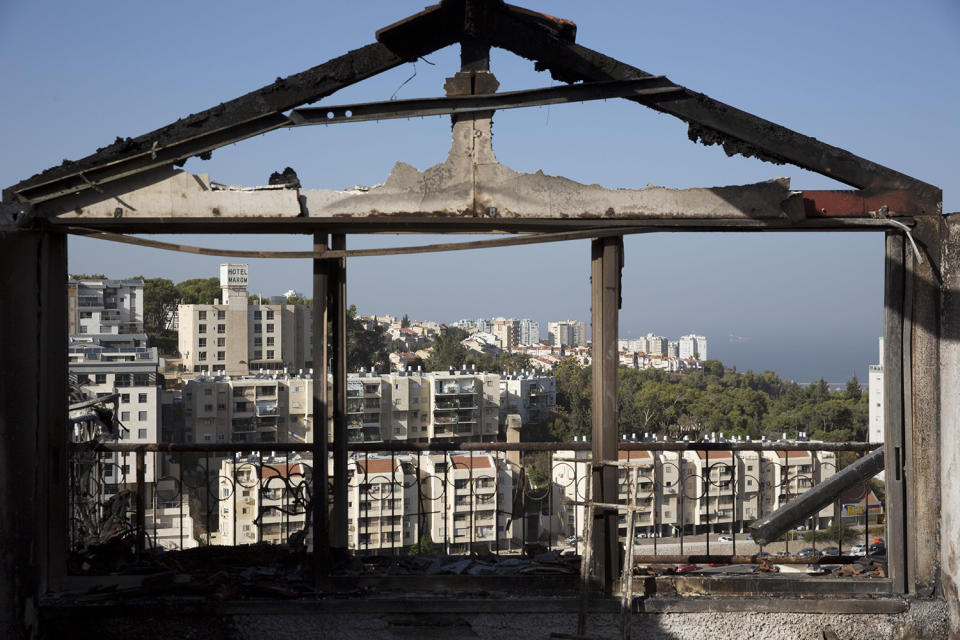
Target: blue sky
x,y
877,78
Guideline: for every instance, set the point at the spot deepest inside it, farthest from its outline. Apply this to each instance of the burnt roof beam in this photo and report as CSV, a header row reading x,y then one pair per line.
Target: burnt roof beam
x,y
710,121
250,115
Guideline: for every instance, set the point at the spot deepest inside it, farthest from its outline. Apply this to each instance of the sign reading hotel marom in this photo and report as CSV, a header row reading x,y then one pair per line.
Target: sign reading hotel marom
x,y
233,275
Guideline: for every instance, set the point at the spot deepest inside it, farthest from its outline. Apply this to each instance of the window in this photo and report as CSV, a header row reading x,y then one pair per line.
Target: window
x,y
269,314
221,328
202,355
257,315
125,397
101,378
206,436
124,416
269,354
201,342
269,341
141,379
221,315
201,328
141,415
141,398
201,315
142,434
269,328
257,328
208,407
208,392
258,341
221,342
221,355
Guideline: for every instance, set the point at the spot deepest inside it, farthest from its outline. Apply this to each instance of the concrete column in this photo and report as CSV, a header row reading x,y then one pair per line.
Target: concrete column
x,y
33,424
606,265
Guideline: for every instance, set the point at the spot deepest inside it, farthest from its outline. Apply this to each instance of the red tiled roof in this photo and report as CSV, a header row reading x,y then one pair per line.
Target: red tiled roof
x,y
714,454
478,462
282,470
634,455
794,454
376,466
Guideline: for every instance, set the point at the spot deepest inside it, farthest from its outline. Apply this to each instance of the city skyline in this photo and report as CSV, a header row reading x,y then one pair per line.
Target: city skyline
x,y
804,305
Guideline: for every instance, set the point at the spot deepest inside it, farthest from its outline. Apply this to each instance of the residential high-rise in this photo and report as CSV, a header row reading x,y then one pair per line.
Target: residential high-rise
x,y
529,331
507,333
236,337
693,346
567,333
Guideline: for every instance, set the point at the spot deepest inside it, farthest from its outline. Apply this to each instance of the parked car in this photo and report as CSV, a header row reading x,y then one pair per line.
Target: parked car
x,y
641,535
724,539
858,550
831,551
687,568
808,552
878,549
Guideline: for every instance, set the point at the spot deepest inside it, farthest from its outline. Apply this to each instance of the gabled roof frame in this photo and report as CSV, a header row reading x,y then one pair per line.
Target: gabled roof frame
x,y
477,25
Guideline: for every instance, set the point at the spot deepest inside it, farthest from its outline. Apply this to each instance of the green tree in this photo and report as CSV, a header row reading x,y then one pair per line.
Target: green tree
x,y
404,322
199,291
424,547
853,390
447,350
85,276
366,348
159,300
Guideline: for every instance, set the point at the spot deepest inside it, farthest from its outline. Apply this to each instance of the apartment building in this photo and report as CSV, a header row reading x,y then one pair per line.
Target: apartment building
x,y
273,406
265,407
695,491
236,337
567,333
135,375
101,306
530,395
468,497
529,331
507,333
461,501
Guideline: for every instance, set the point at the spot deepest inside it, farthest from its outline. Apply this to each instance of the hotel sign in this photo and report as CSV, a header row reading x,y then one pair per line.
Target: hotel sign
x,y
233,276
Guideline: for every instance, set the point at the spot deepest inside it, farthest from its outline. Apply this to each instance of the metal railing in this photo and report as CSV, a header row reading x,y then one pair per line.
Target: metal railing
x,y
692,500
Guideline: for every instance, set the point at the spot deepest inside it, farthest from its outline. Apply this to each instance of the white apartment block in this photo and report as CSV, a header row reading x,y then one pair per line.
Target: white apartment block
x,y
529,331
236,338
567,333
460,406
875,398
507,333
468,500
530,395
100,306
135,375
695,491
264,408
692,346
462,501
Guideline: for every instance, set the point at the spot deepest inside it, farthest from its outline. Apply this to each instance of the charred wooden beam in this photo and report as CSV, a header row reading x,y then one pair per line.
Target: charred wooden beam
x,y
711,121
768,528
244,117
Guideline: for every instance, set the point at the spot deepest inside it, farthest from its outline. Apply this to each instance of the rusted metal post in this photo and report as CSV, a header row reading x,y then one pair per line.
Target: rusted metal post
x,y
607,262
338,309
321,426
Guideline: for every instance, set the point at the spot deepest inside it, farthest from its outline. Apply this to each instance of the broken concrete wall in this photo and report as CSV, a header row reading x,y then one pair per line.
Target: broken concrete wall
x,y
922,620
950,422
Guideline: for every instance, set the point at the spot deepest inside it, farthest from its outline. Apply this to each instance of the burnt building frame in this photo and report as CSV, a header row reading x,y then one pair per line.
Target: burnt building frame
x,y
33,243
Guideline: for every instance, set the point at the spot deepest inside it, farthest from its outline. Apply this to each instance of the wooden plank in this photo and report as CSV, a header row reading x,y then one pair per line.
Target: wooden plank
x,y
893,299
606,263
